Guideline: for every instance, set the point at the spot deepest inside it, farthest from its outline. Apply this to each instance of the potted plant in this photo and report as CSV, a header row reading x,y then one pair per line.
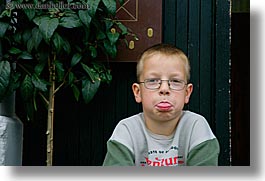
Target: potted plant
x,y
53,45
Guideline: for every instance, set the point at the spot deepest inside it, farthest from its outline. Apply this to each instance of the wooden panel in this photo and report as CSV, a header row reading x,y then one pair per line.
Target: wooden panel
x,y
182,25
206,57
194,51
222,53
169,28
83,129
139,15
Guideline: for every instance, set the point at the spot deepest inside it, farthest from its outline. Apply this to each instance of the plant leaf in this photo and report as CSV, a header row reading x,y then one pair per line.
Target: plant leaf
x,y
29,106
121,2
39,67
84,17
59,70
111,49
76,92
108,24
58,42
25,55
30,45
124,29
6,13
48,26
37,20
108,76
89,89
93,7
37,37
14,82
38,83
90,72
5,71
26,36
26,88
113,37
30,13
70,21
104,73
76,59
71,78
66,45
93,51
17,37
3,28
100,35
110,5
15,51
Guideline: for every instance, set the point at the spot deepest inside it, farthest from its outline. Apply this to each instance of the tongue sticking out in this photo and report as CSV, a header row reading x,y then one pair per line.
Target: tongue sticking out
x,y
164,106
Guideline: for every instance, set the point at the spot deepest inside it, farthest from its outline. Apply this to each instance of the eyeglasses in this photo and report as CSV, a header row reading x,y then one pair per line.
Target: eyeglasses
x,y
155,84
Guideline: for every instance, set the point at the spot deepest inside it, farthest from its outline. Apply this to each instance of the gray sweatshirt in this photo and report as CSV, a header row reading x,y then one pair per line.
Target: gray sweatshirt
x,y
192,143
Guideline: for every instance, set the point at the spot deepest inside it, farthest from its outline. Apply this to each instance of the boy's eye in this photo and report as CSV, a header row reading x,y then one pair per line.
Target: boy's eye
x,y
153,80
175,81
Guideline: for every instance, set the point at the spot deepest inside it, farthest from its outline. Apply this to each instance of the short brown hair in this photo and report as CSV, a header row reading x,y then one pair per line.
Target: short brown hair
x,y
165,49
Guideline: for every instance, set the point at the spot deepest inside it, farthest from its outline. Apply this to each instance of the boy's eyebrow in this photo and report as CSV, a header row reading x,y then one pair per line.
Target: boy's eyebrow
x,y
176,75
157,75
171,75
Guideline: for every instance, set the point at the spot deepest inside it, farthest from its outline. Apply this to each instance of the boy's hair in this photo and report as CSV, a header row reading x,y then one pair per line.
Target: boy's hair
x,y
165,49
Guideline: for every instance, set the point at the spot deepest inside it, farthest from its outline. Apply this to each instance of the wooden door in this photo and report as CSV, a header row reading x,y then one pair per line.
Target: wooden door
x,y
144,19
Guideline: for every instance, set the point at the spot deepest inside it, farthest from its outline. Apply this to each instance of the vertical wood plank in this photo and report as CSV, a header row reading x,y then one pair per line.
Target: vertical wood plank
x,y
182,25
194,52
222,78
169,30
206,62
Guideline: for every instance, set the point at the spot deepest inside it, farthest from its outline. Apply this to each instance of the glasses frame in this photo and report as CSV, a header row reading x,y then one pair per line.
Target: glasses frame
x,y
161,80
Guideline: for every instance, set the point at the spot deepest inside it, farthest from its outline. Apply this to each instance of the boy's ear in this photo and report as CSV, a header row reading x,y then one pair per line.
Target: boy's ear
x,y
188,93
137,92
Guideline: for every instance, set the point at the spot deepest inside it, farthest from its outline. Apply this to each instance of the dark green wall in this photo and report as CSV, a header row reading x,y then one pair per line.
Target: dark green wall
x,y
82,131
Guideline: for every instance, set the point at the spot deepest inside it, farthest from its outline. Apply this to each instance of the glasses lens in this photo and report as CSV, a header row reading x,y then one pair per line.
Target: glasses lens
x,y
156,83
176,84
152,83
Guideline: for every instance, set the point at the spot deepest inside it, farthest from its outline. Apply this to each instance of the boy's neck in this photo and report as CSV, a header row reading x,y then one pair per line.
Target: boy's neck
x,y
162,128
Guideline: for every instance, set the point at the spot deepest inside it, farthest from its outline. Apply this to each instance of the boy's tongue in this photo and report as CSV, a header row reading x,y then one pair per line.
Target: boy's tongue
x,y
163,106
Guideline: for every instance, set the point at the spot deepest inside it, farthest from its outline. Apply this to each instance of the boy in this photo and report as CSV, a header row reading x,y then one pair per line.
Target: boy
x,y
164,134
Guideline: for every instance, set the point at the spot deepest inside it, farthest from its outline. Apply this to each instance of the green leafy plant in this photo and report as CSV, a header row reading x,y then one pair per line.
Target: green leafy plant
x,y
47,47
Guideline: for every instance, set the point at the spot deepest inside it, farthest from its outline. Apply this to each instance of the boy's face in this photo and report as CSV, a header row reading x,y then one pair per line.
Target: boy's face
x,y
162,104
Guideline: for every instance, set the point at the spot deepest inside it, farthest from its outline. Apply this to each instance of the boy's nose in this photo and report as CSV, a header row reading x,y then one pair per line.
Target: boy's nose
x,y
164,88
